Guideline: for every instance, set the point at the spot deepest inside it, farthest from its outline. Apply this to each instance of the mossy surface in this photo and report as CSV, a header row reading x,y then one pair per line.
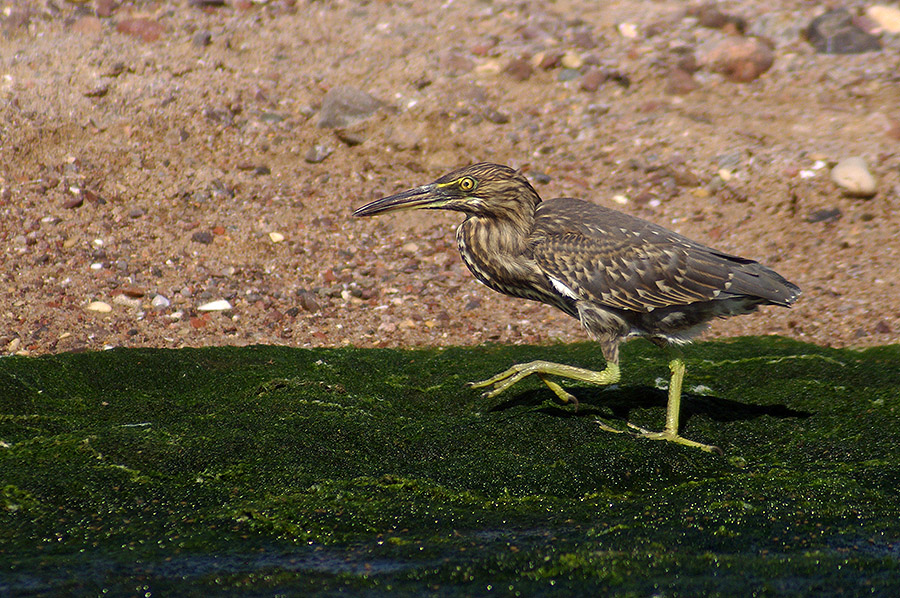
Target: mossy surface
x,y
271,470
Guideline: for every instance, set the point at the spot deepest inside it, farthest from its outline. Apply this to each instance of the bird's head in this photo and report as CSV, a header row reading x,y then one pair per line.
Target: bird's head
x,y
487,190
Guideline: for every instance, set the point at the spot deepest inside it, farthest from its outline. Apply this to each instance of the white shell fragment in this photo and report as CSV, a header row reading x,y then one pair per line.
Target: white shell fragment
x,y
220,305
276,237
99,306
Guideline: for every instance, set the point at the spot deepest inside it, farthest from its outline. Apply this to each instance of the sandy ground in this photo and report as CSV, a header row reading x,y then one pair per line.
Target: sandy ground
x,y
149,151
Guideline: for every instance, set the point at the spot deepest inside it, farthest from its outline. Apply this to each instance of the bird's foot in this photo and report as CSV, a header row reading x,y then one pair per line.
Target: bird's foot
x,y
543,369
608,428
671,436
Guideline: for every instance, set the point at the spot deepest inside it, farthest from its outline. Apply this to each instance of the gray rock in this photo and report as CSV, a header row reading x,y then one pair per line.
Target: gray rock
x,y
835,33
345,105
317,153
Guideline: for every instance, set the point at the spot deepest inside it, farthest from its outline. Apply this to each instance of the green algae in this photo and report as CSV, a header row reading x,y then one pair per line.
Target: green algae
x,y
266,470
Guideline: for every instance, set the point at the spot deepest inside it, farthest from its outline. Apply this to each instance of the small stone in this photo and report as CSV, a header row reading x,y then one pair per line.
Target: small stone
x,y
519,69
824,215
317,153
308,301
127,301
568,75
160,302
835,33
680,82
345,105
740,59
887,17
202,39
202,236
136,212
853,177
495,116
627,30
882,327
75,201
592,80
105,8
99,307
219,305
145,29
546,60
710,16
572,60
350,138
276,237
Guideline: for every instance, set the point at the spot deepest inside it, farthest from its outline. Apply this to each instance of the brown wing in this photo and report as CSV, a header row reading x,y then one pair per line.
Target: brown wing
x,y
624,262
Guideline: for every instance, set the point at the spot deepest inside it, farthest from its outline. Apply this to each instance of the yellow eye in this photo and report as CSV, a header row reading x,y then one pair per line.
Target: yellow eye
x,y
466,183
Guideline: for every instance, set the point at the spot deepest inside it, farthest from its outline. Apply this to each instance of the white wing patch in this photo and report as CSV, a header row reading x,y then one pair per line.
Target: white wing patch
x,y
562,289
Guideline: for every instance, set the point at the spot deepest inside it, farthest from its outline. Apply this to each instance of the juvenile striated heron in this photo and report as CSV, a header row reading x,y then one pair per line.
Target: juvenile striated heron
x,y
621,276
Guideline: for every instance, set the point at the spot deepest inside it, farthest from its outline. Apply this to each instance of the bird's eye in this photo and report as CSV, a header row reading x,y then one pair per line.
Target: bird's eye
x,y
466,183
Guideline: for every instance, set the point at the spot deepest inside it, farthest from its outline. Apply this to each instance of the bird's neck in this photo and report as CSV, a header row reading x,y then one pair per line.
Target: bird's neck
x,y
494,249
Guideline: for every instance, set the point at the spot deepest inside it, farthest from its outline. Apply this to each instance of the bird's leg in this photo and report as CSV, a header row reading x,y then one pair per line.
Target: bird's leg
x,y
503,380
673,412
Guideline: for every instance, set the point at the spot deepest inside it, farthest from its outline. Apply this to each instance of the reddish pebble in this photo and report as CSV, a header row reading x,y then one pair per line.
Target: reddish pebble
x,y
519,69
105,8
146,29
592,80
218,230
199,322
741,59
680,82
329,276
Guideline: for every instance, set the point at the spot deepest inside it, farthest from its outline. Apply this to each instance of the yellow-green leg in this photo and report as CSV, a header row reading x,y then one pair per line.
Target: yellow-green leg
x,y
673,413
543,369
503,380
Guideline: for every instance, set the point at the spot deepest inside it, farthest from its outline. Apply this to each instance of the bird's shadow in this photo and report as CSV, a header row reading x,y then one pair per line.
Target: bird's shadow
x,y
617,403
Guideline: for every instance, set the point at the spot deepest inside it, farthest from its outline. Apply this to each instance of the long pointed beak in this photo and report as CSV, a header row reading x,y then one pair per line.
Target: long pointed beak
x,y
428,196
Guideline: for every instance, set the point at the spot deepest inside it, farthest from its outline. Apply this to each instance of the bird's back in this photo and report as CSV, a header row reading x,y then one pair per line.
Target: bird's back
x,y
624,262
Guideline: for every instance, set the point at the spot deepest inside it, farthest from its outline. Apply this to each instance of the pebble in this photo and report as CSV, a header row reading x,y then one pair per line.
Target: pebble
x,y
308,300
317,153
160,302
680,82
568,75
99,307
127,301
572,60
145,29
824,215
627,30
836,33
105,8
592,80
740,59
202,236
546,60
345,105
853,177
887,17
202,39
219,305
276,237
519,69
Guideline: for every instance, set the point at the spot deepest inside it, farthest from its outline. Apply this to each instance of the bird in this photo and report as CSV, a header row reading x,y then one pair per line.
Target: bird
x,y
620,276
